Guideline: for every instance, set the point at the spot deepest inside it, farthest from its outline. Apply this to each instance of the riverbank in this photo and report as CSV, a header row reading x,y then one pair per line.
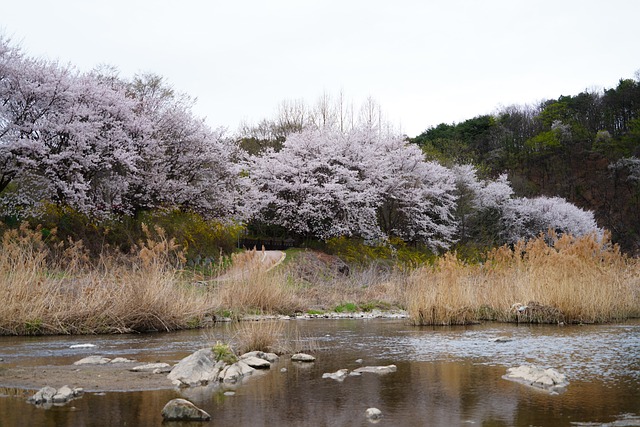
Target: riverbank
x,y
566,280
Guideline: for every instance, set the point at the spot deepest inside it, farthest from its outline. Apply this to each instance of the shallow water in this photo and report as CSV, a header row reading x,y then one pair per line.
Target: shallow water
x,y
446,376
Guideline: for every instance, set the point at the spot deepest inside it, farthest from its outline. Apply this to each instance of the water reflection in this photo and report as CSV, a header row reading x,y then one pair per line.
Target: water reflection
x,y
445,377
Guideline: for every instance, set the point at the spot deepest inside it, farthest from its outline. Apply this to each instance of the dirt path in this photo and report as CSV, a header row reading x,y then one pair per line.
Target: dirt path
x,y
253,260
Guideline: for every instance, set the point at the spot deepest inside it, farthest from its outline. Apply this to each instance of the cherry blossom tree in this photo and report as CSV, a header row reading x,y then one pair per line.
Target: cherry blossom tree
x,y
105,146
326,183
526,218
314,187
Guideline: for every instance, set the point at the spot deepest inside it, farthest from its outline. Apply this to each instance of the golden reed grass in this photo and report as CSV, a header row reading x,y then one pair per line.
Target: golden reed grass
x,y
44,292
572,280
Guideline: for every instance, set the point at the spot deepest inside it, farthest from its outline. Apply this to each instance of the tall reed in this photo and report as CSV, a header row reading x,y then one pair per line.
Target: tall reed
x,y
61,293
569,279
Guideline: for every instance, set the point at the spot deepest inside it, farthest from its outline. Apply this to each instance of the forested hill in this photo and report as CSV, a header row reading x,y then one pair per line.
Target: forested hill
x,y
585,148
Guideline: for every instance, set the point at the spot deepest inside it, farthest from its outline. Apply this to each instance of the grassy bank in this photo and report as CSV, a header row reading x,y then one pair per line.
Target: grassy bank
x,y
57,289
568,281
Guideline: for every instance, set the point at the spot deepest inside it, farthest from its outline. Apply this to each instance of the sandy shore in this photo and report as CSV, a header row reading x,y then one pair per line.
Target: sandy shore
x,y
92,378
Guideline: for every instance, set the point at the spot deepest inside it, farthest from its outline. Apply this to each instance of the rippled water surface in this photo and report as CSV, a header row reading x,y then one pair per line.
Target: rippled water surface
x,y
446,376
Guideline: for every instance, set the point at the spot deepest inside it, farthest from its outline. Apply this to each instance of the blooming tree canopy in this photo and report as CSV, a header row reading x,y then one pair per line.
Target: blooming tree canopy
x,y
325,183
106,146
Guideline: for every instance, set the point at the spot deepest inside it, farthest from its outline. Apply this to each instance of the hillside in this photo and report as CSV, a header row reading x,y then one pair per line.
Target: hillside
x,y
584,148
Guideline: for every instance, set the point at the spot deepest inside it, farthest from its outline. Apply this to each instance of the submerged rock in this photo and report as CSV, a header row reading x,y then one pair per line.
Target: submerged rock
x,y
183,410
534,376
376,369
302,357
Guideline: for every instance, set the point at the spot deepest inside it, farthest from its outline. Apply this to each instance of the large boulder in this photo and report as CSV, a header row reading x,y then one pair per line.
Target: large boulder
x,y
534,376
183,410
199,368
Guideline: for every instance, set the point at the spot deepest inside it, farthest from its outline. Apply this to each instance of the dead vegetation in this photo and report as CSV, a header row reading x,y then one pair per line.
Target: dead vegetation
x,y
56,289
572,280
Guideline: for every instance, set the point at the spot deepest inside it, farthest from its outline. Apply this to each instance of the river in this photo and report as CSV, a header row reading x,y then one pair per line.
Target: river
x,y
446,376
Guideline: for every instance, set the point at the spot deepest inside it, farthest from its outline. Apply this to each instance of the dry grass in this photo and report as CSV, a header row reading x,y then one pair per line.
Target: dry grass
x,y
257,292
55,289
573,280
262,335
61,293
323,287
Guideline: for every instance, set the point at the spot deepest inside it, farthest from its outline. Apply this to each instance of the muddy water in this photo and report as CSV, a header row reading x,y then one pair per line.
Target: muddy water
x,y
445,377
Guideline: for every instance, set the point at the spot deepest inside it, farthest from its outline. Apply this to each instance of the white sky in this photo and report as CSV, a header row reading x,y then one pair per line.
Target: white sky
x,y
425,61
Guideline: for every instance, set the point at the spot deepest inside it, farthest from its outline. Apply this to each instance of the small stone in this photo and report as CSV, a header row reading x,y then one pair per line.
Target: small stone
x,y
93,360
256,362
302,357
269,357
152,367
283,370
373,414
500,339
44,395
183,410
338,375
229,393
359,361
233,373
64,394
122,360
531,375
377,369
82,346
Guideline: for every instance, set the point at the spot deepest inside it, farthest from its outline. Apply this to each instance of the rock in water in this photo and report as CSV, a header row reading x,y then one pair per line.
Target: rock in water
x,y
534,376
373,414
256,362
302,357
48,395
199,368
82,346
377,369
338,375
233,373
183,410
269,357
44,395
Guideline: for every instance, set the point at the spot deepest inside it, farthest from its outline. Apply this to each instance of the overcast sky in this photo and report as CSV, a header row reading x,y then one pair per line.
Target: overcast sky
x,y
425,62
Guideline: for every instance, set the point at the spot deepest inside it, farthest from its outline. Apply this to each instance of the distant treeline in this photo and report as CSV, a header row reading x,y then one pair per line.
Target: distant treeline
x,y
584,148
